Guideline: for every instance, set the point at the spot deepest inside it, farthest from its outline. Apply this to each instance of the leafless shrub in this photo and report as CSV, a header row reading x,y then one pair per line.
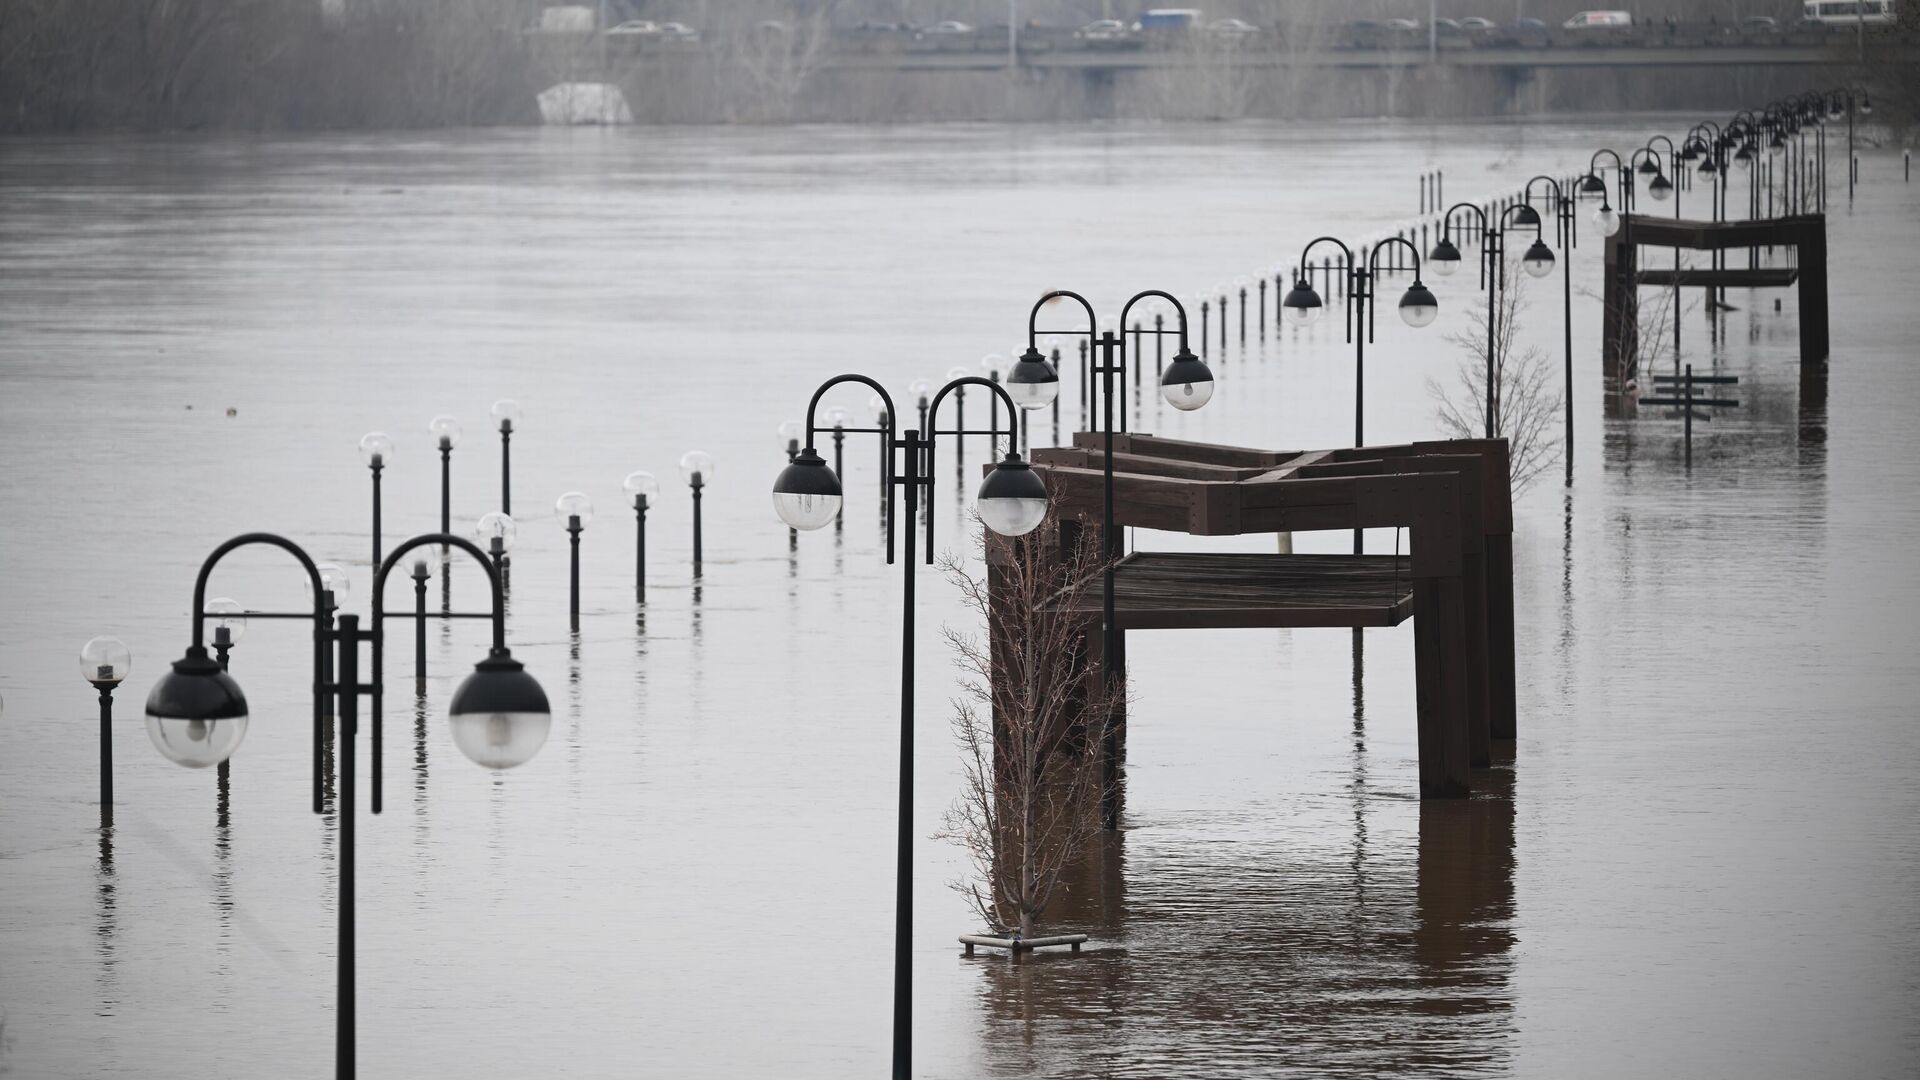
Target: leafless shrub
x,y
1525,400
1031,738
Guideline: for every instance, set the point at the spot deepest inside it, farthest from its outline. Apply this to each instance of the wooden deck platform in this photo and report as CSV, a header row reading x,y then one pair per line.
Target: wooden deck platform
x,y
1455,582
1805,235
1766,277
1163,590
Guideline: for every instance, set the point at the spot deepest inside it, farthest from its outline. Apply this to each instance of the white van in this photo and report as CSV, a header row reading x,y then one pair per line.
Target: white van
x,y
1845,13
1595,20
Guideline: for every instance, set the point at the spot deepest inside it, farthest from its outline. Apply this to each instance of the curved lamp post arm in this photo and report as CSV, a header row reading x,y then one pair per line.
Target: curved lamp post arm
x,y
499,611
377,689
933,430
1446,231
1033,315
885,431
1346,254
322,631
1501,221
1562,211
1593,169
243,540
1091,333
1373,267
1178,309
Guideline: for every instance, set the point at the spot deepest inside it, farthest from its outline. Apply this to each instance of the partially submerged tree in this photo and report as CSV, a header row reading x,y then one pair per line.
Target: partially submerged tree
x,y
1031,720
1526,397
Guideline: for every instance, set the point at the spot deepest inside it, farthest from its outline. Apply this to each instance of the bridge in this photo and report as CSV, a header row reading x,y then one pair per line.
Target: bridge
x,y
1134,60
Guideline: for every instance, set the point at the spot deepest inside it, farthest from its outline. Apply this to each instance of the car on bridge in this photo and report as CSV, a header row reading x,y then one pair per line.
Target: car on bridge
x,y
1599,20
1103,30
945,28
1232,28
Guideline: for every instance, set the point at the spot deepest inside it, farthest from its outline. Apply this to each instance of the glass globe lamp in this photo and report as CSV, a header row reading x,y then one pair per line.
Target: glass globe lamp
x,y
196,713
105,661
333,579
1302,303
496,526
499,714
506,414
1418,307
376,449
224,613
1444,258
1012,499
445,431
1032,382
1187,384
640,485
1538,261
806,494
696,467
574,504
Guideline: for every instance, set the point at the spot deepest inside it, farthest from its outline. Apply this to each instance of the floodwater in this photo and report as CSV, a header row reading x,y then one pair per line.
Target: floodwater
x,y
1698,860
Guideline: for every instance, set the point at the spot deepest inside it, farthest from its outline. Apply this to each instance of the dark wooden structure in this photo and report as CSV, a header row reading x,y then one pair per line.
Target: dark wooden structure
x,y
1805,235
1455,582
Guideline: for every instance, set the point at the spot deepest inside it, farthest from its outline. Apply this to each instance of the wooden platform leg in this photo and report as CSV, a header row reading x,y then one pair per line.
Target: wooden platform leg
x,y
1473,583
1505,721
1439,613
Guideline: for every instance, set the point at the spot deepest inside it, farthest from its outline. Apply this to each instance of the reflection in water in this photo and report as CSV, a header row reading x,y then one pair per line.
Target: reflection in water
x,y
1358,786
1248,957
422,820
105,926
223,885
574,710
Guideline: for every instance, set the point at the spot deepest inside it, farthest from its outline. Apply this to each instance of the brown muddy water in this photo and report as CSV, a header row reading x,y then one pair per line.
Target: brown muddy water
x,y
1700,858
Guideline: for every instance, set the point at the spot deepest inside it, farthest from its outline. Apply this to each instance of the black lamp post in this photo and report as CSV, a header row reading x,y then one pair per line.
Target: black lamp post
x,y
576,510
376,449
837,418
1187,384
1445,258
696,468
1012,501
197,715
642,488
1563,230
104,662
1707,143
420,575
229,626
506,416
1303,306
1845,97
446,434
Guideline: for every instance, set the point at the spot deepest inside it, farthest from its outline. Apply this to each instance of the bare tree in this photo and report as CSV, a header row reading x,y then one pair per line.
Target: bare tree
x,y
1526,402
769,63
1031,719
